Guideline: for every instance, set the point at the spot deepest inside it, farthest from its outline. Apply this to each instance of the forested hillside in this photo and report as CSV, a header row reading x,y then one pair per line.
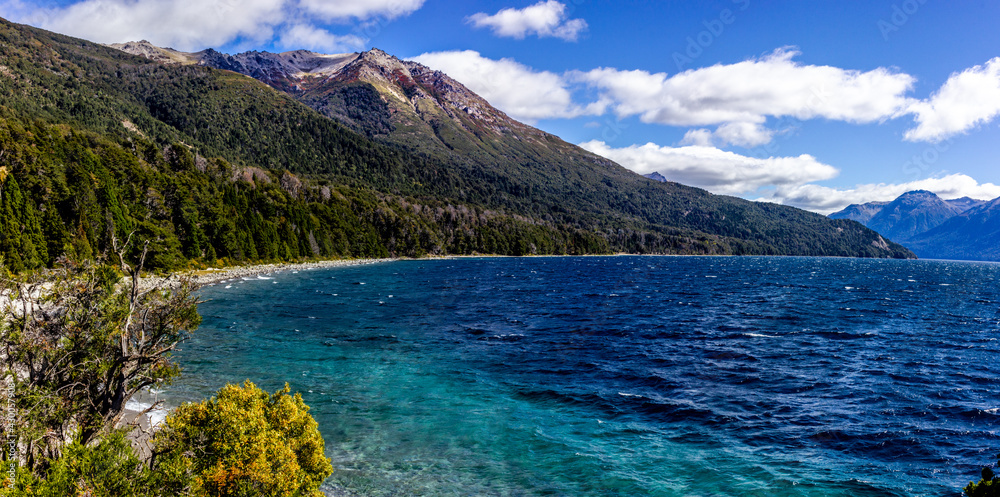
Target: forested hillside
x,y
209,164
507,164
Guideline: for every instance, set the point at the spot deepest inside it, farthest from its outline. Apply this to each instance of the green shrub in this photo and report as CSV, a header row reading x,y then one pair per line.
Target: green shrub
x,y
988,486
108,469
244,442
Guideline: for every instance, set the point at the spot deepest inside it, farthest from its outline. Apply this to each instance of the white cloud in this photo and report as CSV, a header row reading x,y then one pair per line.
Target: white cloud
x,y
198,24
543,19
715,170
304,36
738,98
362,9
742,134
825,200
518,90
698,137
753,90
783,180
182,24
966,100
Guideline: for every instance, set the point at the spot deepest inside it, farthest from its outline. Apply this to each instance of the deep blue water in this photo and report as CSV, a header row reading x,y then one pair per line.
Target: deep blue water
x,y
625,376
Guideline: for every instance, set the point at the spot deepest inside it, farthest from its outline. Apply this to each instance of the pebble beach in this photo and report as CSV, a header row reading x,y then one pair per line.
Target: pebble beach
x,y
212,276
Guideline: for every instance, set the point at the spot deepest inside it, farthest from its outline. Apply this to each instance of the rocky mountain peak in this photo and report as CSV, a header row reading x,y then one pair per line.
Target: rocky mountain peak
x,y
144,48
413,91
915,196
912,213
861,213
376,63
416,88
379,56
655,176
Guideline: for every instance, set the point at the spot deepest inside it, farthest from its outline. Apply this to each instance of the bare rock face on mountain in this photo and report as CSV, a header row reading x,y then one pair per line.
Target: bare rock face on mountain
x,y
282,70
393,100
153,52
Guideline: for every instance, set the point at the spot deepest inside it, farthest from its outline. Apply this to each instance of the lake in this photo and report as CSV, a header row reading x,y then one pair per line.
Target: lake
x,y
627,375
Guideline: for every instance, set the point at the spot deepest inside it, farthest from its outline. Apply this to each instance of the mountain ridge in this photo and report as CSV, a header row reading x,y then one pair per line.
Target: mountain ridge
x,y
970,235
962,228
220,166
425,111
861,213
910,214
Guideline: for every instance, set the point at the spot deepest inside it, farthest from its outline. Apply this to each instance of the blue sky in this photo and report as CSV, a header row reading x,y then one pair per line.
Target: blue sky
x,y
815,104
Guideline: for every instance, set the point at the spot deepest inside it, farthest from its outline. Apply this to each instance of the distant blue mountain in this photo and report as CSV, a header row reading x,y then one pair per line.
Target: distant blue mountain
x,y
932,227
966,203
655,176
971,235
912,213
861,213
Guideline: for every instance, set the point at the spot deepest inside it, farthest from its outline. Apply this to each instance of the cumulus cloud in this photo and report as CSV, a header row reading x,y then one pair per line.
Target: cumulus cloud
x,y
742,134
543,19
698,137
197,24
304,36
749,92
825,200
361,9
518,90
783,180
184,24
737,99
715,170
968,99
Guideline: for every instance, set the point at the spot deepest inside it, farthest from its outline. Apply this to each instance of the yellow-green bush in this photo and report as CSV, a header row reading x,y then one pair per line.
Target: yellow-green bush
x,y
244,442
988,486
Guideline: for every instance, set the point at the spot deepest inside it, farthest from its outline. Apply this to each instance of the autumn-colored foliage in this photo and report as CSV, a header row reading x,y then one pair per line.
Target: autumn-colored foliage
x,y
245,442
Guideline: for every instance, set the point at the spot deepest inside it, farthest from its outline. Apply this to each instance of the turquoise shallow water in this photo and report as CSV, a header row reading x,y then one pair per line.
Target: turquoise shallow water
x,y
622,376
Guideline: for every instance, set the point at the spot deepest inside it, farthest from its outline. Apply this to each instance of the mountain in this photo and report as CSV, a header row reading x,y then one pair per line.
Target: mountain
x,y
965,203
514,166
861,213
971,235
962,228
910,214
341,156
655,176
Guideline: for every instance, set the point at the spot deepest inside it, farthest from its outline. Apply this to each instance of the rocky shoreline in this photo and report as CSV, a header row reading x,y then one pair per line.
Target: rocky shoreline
x,y
145,423
212,276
